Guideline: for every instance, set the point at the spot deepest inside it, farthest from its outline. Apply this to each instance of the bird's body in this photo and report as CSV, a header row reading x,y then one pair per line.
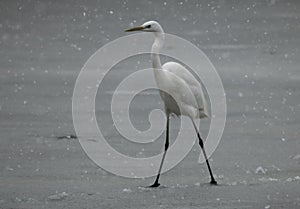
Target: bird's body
x,y
181,92
186,88
175,78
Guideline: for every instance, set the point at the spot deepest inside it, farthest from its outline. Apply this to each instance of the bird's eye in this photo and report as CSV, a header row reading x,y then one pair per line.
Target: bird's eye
x,y
148,26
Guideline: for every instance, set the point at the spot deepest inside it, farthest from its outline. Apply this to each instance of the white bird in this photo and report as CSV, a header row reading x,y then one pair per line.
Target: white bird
x,y
185,95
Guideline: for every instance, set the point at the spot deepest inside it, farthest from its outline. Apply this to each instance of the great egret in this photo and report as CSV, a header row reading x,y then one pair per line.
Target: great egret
x,y
183,85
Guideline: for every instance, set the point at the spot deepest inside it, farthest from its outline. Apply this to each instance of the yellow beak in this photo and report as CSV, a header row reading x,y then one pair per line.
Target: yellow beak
x,y
135,29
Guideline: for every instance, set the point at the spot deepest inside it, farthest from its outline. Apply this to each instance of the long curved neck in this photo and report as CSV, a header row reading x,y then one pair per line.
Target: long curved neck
x,y
157,45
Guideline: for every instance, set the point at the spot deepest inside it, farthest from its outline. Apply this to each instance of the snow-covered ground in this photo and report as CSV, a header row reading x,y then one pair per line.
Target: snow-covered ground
x,y
254,46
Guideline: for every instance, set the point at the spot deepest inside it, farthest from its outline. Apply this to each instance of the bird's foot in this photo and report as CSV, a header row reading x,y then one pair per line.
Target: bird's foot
x,y
213,182
156,184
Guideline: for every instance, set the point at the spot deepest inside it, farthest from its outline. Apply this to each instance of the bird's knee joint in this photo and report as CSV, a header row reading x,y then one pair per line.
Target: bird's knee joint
x,y
201,143
166,146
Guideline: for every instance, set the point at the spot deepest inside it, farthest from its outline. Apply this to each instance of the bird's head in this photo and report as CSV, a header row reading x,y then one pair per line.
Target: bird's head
x,y
150,26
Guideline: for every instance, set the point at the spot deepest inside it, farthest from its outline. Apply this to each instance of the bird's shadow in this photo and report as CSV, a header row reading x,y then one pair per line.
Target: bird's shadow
x,y
152,188
208,184
203,185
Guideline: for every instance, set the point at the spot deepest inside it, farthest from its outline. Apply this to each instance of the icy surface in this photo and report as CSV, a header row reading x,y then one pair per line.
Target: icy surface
x,y
59,196
254,45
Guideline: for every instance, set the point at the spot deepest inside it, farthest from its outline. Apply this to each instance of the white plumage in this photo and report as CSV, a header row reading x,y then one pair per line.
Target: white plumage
x,y
185,79
184,93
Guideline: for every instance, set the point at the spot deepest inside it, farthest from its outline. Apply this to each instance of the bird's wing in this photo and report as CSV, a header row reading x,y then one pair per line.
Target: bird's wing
x,y
190,80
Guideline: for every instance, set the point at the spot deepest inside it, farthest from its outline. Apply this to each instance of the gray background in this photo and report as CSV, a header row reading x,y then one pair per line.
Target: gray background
x,y
254,46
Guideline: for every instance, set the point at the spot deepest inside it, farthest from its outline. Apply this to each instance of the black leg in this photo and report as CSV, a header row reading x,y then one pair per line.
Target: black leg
x,y
156,184
213,181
